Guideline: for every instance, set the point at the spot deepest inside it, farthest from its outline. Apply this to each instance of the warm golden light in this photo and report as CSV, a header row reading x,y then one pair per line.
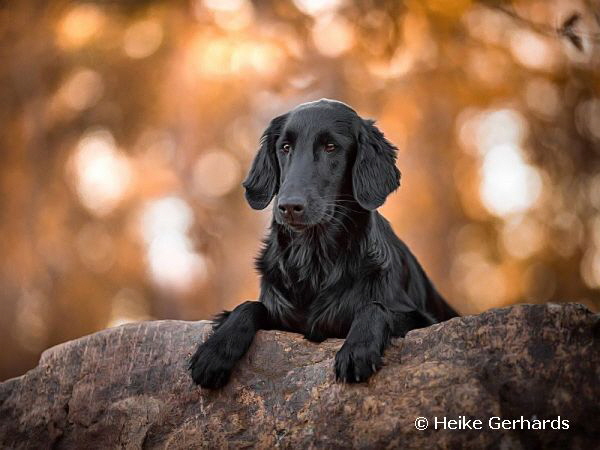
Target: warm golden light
x,y
142,38
82,89
318,7
172,261
332,35
79,25
532,50
216,173
216,57
522,237
509,185
103,174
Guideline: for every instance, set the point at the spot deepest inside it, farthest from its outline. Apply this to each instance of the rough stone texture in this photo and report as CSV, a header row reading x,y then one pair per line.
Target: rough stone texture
x,y
129,387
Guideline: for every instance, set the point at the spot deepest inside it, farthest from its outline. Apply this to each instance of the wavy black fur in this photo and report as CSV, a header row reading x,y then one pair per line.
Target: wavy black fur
x,y
331,267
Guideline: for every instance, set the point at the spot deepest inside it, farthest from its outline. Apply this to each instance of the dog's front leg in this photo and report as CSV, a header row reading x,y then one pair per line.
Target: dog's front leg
x,y
214,359
369,335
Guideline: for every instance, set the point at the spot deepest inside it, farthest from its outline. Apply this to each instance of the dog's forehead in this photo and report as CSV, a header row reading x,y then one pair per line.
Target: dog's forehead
x,y
320,115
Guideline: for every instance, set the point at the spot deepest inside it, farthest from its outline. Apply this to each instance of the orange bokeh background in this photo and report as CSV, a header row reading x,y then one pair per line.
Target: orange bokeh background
x,y
127,128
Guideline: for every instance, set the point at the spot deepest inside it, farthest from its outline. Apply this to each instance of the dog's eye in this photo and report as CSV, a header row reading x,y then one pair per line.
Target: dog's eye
x,y
329,148
285,148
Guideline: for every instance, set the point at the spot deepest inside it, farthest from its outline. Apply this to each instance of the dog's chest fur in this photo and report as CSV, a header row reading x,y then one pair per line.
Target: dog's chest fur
x,y
318,275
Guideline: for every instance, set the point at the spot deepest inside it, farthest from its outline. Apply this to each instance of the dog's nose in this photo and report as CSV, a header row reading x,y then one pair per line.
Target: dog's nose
x,y
291,208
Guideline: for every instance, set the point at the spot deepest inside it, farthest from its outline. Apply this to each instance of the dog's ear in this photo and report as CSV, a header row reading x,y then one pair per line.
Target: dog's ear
x,y
262,182
374,175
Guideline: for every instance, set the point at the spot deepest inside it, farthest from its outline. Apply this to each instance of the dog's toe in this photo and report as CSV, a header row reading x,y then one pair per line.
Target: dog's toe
x,y
343,365
356,363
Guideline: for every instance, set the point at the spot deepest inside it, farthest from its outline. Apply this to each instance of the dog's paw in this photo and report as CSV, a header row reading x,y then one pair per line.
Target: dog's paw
x,y
355,363
209,367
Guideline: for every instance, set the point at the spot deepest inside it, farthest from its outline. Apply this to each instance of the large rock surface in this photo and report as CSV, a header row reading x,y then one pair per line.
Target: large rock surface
x,y
129,387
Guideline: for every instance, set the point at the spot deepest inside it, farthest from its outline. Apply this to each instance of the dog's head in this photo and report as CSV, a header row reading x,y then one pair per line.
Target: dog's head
x,y
316,155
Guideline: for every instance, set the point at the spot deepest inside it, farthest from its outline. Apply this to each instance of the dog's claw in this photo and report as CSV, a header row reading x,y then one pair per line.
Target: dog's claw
x,y
355,363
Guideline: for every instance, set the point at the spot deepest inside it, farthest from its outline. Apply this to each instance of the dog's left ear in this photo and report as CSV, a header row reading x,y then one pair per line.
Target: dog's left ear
x,y
374,175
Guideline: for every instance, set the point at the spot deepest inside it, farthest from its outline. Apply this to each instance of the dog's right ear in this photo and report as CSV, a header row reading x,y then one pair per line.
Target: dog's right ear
x,y
262,182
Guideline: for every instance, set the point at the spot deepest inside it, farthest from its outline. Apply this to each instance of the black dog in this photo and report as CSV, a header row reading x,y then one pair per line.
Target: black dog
x,y
331,265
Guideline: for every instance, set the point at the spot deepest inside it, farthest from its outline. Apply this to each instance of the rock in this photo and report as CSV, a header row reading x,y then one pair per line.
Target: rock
x,y
129,387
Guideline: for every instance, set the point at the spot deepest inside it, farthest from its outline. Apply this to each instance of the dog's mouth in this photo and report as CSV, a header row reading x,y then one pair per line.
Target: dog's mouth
x,y
294,225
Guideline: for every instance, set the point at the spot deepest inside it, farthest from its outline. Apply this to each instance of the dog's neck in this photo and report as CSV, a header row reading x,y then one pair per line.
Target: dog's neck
x,y
321,255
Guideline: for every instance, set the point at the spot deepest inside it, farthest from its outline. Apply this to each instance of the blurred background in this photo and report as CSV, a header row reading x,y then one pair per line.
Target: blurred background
x,y
127,128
